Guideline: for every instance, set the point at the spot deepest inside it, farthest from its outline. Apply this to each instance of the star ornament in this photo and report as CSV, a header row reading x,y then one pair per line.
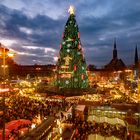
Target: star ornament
x,y
71,10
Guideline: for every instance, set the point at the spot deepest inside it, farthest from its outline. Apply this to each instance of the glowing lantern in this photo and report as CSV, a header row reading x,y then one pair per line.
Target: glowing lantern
x,y
62,35
82,76
79,46
75,67
78,35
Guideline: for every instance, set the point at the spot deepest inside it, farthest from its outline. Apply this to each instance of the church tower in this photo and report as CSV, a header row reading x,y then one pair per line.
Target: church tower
x,y
115,50
136,63
115,64
136,57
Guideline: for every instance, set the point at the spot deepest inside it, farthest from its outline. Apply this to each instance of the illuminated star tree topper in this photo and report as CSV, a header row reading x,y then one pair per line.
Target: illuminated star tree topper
x,y
71,10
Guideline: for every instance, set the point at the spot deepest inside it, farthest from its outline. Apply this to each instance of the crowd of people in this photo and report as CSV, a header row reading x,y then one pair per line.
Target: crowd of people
x,y
24,107
83,129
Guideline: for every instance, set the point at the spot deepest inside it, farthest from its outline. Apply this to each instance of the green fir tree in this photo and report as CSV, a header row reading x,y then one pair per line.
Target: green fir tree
x,y
71,65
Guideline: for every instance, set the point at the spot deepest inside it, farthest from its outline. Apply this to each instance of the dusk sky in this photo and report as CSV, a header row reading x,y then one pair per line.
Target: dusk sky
x,y
33,29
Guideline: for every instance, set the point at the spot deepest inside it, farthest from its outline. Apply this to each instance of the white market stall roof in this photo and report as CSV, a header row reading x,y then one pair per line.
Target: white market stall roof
x,y
78,108
112,121
69,111
99,137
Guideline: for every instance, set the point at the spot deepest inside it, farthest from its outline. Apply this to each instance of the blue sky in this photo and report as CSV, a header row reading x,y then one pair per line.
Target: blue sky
x,y
33,29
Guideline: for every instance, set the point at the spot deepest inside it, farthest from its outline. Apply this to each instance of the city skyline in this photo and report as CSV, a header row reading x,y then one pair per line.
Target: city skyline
x,y
33,29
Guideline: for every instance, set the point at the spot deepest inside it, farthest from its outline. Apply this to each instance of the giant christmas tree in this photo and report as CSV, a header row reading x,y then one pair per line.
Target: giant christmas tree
x,y
71,65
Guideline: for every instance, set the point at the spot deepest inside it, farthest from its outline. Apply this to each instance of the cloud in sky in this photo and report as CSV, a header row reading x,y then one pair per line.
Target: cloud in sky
x,y
33,28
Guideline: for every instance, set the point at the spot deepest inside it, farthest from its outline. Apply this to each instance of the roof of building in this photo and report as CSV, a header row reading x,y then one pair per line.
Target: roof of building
x,y
115,64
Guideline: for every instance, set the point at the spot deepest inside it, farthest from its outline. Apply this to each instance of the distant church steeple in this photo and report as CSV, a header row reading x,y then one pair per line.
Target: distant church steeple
x,y
115,50
136,57
115,64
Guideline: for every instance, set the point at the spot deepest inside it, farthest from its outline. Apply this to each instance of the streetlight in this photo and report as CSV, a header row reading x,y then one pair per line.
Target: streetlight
x,y
5,54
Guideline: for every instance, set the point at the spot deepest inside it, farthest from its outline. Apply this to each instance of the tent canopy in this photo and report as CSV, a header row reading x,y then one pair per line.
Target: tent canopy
x,y
99,137
78,108
112,121
15,123
7,133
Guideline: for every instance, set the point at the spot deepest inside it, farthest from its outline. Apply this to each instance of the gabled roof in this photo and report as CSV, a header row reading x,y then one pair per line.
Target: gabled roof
x,y
115,64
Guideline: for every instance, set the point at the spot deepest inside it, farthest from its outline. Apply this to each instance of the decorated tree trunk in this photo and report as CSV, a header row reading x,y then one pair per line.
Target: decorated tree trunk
x,y
71,65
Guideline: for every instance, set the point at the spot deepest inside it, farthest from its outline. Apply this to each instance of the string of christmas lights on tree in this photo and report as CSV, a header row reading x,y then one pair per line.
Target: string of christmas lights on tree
x,y
71,65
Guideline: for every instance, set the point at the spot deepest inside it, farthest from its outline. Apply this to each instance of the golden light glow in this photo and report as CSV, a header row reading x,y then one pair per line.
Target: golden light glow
x,y
10,54
67,60
4,66
4,90
33,126
71,10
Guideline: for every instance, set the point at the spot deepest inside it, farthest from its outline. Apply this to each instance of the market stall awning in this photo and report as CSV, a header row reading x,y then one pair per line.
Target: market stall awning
x,y
16,123
78,108
7,133
112,121
99,137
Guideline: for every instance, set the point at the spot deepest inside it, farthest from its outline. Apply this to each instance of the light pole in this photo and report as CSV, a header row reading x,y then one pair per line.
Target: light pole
x,y
4,55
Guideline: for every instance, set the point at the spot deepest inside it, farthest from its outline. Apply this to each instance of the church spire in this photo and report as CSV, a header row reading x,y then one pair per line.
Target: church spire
x,y
115,50
136,57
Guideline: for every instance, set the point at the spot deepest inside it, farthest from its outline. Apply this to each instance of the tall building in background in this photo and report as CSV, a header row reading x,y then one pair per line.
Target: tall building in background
x,y
136,64
115,64
5,62
115,55
71,65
